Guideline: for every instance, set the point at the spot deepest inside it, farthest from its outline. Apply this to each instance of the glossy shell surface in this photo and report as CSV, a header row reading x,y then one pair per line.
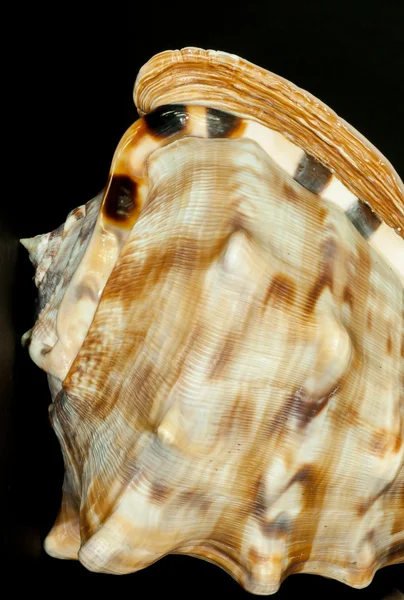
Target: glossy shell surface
x,y
223,332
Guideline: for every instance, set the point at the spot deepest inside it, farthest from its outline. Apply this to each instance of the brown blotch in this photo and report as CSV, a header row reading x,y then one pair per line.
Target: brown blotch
x,y
290,193
255,557
370,536
398,443
364,259
120,202
281,291
378,443
304,474
389,344
305,407
382,442
101,505
159,492
369,320
259,505
224,357
329,251
183,253
238,130
238,222
195,498
180,254
238,418
313,486
278,422
78,214
348,296
145,382
402,347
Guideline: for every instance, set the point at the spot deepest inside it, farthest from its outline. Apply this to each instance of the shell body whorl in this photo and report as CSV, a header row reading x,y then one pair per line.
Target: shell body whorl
x,y
223,329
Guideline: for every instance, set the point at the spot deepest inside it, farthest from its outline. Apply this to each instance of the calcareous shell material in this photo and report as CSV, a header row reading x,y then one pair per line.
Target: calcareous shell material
x,y
223,332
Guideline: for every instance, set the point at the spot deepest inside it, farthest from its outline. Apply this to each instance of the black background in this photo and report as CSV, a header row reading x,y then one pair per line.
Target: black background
x,y
68,96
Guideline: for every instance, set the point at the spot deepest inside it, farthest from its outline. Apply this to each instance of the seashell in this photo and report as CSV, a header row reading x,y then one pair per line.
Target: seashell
x,y
223,332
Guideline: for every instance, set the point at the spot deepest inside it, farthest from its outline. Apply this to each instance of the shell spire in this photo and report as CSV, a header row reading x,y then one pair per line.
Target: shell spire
x,y
36,247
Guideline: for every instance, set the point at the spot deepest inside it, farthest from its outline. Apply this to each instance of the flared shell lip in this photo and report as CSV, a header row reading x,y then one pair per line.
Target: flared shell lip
x,y
161,61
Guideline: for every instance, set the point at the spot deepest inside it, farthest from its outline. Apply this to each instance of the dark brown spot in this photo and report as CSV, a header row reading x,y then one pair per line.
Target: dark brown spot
x,y
312,175
363,219
370,536
120,202
348,296
281,291
364,507
221,124
166,121
159,492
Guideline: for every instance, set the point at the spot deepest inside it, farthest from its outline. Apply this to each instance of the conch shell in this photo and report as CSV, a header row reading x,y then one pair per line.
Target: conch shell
x,y
223,332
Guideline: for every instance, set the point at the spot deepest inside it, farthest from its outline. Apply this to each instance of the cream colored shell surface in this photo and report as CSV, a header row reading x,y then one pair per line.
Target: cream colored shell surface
x,y
226,363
